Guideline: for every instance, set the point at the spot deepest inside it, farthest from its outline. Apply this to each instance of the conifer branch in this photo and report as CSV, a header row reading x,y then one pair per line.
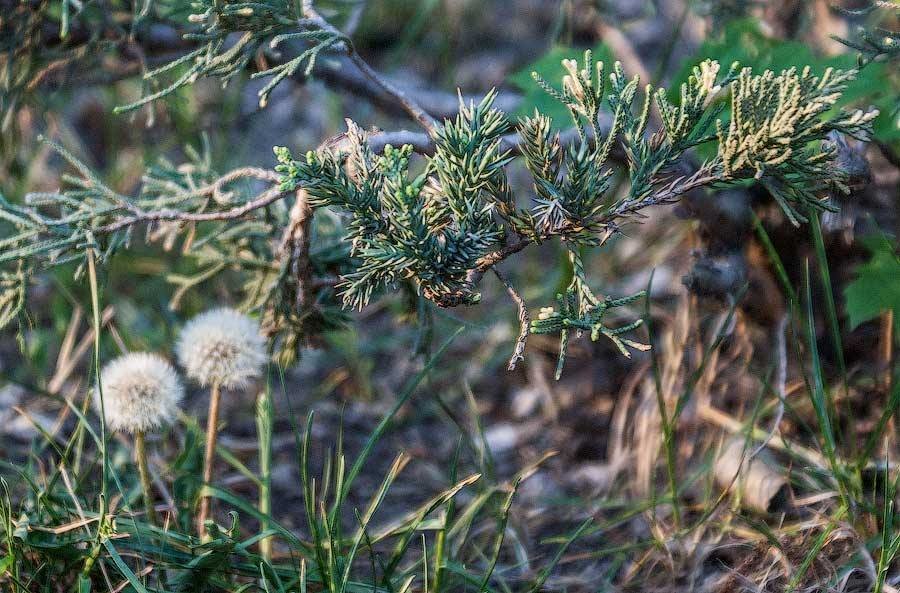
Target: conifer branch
x,y
447,227
442,228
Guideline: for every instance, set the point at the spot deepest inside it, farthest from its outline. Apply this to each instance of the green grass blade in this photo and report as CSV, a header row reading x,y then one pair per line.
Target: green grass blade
x,y
667,426
123,568
820,396
830,307
385,422
545,572
775,260
417,518
376,501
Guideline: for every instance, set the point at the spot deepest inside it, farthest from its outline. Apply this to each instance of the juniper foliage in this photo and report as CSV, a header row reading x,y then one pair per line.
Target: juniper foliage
x,y
264,24
876,42
443,228
873,42
431,228
441,223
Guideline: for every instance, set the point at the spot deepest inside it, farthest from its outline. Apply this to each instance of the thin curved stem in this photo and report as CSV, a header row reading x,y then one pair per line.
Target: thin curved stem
x,y
264,419
212,423
409,105
140,455
519,351
264,199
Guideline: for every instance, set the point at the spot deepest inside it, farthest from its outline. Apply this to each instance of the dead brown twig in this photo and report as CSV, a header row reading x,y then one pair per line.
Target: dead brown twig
x,y
519,351
410,106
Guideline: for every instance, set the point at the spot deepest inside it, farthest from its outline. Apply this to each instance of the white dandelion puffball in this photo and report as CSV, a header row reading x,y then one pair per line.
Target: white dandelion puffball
x,y
222,347
141,392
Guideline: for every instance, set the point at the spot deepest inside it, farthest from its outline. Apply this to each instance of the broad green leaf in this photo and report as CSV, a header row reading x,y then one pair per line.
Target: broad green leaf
x,y
877,285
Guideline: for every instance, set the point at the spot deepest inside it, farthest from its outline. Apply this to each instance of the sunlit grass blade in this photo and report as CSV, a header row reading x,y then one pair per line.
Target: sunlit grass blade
x,y
815,550
412,524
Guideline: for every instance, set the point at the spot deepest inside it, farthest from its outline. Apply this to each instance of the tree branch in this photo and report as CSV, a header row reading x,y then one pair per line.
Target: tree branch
x,y
440,104
669,194
140,216
411,107
295,245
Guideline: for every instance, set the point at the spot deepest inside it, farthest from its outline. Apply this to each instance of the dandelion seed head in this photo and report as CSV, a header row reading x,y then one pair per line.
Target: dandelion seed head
x,y
223,347
141,392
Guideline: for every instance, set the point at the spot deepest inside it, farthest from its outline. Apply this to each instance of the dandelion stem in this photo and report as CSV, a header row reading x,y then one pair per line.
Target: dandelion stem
x,y
211,430
140,454
264,431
